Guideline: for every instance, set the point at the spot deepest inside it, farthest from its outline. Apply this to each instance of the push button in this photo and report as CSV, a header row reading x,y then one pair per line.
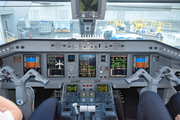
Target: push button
x,y
106,68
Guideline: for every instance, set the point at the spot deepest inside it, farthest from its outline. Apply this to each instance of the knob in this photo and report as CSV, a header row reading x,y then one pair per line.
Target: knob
x,y
84,94
91,94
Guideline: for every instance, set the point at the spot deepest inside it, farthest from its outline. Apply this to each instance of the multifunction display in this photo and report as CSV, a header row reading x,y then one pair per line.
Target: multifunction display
x,y
55,65
32,61
87,65
88,5
118,66
140,61
71,88
102,88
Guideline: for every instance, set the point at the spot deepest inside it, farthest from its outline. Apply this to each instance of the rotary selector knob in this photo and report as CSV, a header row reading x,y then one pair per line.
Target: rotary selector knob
x,y
91,94
84,94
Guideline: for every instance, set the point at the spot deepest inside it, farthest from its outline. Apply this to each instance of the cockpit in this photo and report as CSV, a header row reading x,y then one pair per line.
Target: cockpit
x,y
96,57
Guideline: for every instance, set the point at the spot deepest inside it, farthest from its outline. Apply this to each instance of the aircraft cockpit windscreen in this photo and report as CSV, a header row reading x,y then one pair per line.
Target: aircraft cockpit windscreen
x,y
53,20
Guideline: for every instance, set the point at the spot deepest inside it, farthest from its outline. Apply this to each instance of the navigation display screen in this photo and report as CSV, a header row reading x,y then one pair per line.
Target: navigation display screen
x,y
88,5
87,65
71,88
55,65
118,66
141,61
102,88
32,61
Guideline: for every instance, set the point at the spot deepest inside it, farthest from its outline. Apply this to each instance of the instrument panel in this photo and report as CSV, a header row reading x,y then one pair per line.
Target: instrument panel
x,y
89,61
87,65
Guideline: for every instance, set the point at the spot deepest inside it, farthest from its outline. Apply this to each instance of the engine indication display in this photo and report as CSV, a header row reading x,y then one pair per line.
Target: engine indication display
x,y
102,88
32,61
140,61
71,88
55,65
87,65
118,66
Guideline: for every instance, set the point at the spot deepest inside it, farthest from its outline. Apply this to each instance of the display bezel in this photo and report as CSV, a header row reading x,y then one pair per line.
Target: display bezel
x,y
32,68
47,65
140,55
110,65
95,65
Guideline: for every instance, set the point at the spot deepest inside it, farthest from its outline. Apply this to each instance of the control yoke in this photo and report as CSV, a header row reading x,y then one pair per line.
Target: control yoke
x,y
153,82
20,86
